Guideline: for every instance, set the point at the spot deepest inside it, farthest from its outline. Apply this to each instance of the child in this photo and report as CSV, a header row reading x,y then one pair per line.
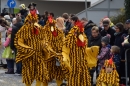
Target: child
x,y
104,53
8,53
115,51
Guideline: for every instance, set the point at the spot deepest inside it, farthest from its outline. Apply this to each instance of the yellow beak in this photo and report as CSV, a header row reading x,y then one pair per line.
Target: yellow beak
x,y
52,28
36,24
81,37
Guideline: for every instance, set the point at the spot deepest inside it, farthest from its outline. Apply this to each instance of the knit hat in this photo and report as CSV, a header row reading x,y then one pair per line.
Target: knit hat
x,y
22,6
106,39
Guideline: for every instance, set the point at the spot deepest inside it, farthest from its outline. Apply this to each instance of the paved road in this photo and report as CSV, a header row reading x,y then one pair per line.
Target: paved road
x,y
12,80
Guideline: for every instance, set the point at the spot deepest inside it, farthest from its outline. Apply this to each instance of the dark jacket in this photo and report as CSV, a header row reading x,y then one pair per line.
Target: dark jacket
x,y
68,27
15,29
88,27
24,12
125,31
119,38
94,41
41,22
111,32
116,60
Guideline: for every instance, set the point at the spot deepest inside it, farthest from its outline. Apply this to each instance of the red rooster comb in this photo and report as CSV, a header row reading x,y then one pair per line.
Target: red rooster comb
x,y
80,25
111,61
50,19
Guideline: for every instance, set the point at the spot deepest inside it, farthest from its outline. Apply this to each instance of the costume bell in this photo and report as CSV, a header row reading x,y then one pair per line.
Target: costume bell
x,y
108,75
32,50
74,49
58,69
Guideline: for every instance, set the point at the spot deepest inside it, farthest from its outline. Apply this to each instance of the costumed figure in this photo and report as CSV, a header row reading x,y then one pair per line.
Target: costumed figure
x,y
92,53
33,7
31,44
74,49
108,75
58,69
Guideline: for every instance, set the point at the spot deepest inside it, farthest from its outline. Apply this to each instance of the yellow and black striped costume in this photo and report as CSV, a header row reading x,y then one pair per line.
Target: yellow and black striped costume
x,y
77,58
108,79
56,43
31,50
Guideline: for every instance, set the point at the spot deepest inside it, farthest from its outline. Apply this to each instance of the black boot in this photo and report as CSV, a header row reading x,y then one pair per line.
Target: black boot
x,y
10,71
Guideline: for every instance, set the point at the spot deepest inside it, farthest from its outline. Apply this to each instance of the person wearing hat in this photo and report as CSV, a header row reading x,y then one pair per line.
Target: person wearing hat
x,y
32,7
127,27
104,52
108,31
23,11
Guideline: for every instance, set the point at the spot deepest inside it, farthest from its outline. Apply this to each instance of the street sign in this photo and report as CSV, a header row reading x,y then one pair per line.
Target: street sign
x,y
11,3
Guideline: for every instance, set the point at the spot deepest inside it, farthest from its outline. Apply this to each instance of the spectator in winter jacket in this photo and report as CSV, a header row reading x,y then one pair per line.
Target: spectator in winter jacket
x,y
127,27
108,30
87,26
94,40
15,29
111,24
67,22
115,51
119,36
104,53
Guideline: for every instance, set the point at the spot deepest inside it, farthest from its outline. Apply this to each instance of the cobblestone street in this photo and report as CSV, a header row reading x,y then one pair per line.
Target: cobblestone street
x,y
13,80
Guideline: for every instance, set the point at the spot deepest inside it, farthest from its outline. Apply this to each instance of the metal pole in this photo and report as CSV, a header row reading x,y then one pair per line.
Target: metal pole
x,y
126,73
109,8
86,9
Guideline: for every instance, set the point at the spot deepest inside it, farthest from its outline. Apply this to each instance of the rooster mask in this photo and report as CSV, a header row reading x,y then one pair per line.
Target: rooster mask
x,y
35,29
51,24
109,68
80,38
